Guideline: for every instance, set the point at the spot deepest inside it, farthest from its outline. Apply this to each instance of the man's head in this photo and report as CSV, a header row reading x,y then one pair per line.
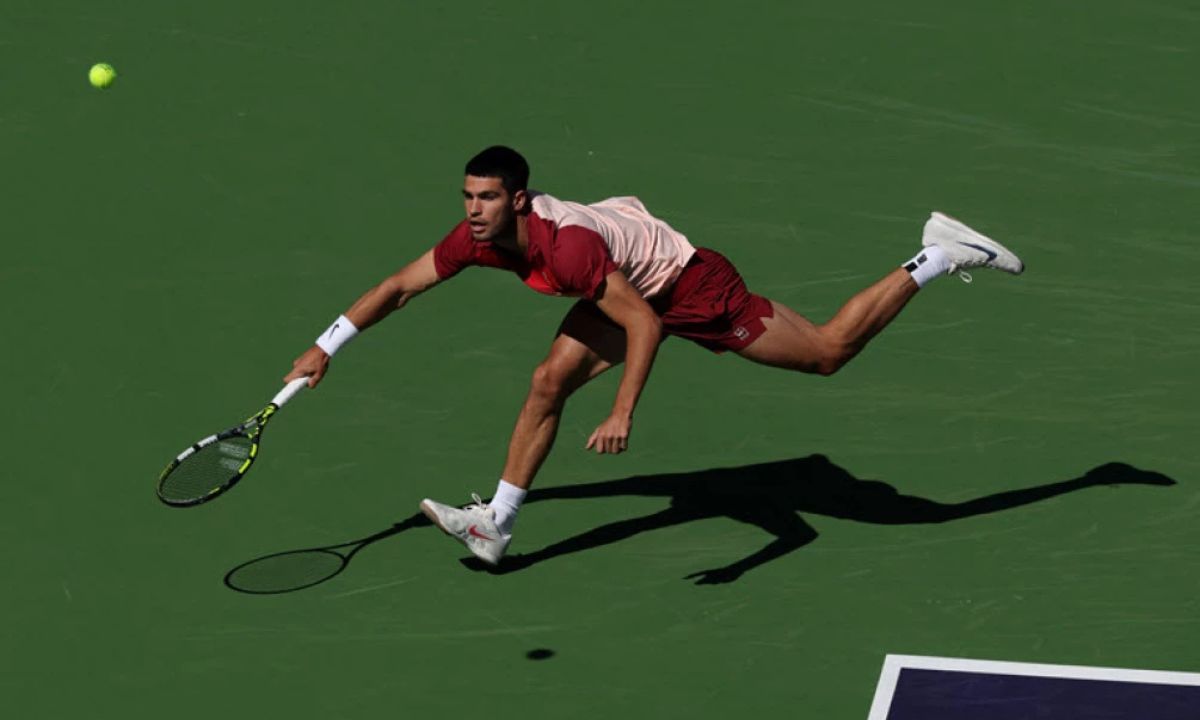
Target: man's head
x,y
495,190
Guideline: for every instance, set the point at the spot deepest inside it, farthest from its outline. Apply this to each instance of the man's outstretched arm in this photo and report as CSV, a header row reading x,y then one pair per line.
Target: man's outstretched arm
x,y
621,302
374,305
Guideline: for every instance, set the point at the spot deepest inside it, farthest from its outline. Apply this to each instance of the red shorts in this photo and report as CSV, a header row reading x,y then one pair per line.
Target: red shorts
x,y
710,305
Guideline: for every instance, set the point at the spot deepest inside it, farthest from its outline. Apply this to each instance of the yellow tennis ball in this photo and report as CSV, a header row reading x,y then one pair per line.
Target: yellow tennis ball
x,y
102,75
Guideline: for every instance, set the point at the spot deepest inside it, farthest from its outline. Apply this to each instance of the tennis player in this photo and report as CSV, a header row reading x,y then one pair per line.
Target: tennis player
x,y
638,281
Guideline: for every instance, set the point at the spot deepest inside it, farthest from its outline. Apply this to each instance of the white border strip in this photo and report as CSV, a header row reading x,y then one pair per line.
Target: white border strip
x,y
892,665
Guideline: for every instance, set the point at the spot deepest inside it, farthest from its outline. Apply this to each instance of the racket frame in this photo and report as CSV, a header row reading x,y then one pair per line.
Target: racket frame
x,y
251,429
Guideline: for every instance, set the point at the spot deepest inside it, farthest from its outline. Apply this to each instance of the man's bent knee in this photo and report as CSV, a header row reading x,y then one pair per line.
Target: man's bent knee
x,y
829,366
836,351
550,381
557,377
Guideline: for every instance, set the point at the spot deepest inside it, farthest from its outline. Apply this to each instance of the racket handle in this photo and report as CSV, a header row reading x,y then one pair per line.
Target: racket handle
x,y
289,391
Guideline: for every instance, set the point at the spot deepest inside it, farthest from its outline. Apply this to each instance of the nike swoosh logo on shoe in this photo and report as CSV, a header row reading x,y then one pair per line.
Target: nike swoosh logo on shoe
x,y
472,531
990,253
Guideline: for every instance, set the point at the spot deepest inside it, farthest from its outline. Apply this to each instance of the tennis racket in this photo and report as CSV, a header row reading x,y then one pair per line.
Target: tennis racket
x,y
218,462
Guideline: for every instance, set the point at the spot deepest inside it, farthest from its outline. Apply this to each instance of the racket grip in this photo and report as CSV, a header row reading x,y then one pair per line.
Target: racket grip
x,y
289,391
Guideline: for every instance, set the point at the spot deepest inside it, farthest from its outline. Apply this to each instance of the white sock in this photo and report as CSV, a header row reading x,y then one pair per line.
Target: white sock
x,y
928,264
506,502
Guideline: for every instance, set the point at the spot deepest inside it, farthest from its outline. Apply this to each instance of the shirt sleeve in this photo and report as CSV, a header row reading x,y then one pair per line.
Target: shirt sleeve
x,y
581,261
455,252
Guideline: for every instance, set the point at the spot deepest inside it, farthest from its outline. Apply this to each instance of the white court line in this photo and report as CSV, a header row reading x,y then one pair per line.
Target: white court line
x,y
893,664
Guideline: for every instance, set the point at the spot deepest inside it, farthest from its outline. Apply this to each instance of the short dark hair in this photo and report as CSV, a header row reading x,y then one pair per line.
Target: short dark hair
x,y
501,162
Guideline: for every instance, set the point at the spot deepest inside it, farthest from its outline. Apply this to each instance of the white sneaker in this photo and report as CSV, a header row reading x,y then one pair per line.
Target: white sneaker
x,y
473,526
967,248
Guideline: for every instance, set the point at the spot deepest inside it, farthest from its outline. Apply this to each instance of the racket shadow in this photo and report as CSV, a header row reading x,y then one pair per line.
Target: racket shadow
x,y
293,570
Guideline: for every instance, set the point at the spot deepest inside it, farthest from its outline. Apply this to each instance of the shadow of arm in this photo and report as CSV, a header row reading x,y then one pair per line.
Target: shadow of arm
x,y
789,529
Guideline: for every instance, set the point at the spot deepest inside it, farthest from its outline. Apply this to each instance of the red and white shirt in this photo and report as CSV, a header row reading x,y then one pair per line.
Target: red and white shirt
x,y
573,247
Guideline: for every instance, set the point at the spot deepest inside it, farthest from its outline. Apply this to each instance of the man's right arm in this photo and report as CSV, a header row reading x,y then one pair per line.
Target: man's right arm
x,y
374,305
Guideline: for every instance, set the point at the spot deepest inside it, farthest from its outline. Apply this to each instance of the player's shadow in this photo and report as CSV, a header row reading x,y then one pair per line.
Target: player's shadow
x,y
767,495
770,496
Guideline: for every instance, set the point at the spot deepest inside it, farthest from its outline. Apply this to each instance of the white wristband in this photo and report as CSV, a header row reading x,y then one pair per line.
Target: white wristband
x,y
339,333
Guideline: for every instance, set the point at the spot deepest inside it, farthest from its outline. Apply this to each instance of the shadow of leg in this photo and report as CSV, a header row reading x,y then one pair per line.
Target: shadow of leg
x,y
594,538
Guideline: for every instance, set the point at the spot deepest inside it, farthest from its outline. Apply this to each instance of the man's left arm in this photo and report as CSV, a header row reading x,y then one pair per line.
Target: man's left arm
x,y
621,302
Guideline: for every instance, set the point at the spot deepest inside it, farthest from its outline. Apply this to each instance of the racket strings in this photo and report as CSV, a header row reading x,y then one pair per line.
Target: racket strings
x,y
206,470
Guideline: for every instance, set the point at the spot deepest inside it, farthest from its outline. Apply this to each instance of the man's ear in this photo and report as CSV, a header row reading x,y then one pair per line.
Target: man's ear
x,y
520,201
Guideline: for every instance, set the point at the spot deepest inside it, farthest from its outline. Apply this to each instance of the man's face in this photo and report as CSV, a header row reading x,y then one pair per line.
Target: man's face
x,y
490,208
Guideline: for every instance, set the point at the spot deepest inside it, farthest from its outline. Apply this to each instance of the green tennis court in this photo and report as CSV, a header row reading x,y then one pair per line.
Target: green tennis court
x,y
172,242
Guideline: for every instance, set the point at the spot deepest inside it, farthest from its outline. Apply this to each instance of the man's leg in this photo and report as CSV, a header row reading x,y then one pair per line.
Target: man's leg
x,y
587,344
793,342
790,341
